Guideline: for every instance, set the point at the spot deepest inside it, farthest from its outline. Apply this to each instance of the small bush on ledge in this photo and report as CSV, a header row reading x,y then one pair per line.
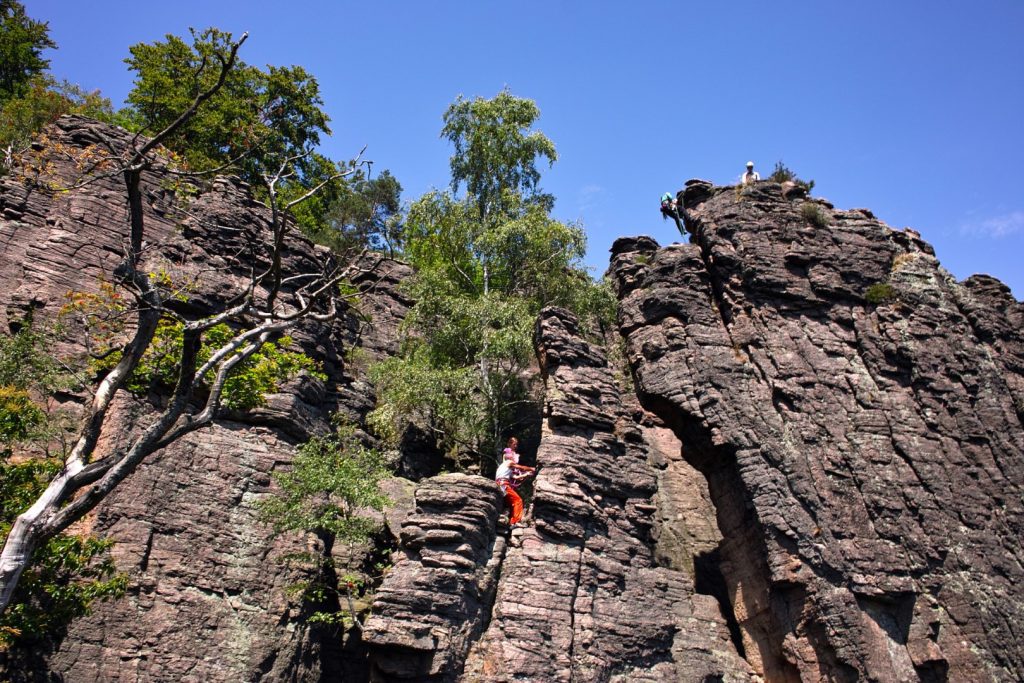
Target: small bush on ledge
x,y
813,214
880,293
783,174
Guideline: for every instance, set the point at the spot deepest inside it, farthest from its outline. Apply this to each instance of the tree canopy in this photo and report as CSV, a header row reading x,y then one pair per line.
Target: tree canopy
x,y
258,117
22,41
486,263
30,98
259,121
495,149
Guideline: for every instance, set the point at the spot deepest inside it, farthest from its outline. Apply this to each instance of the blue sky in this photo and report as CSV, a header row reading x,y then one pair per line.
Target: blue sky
x,y
912,109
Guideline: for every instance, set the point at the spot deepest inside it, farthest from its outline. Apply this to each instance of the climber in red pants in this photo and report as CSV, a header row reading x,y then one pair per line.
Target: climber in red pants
x,y
510,473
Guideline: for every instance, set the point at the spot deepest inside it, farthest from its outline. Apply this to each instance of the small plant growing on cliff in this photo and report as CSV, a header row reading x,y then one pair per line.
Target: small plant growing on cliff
x,y
900,261
813,214
334,481
782,174
880,293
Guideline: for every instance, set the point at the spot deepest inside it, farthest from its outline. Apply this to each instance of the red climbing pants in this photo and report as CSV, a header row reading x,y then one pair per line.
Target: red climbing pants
x,y
514,502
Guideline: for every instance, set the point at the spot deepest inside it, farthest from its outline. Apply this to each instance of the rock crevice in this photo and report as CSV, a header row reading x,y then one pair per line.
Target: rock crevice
x,y
857,415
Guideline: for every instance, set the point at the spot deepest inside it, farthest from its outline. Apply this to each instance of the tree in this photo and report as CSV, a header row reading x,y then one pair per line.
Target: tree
x,y
364,213
271,303
43,101
29,98
334,481
258,118
495,150
485,265
255,122
22,41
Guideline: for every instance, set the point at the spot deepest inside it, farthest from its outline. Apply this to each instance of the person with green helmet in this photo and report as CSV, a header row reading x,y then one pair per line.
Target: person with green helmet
x,y
670,208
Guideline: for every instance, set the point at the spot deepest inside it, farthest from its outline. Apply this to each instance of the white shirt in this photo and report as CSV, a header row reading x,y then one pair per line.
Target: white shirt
x,y
504,470
750,176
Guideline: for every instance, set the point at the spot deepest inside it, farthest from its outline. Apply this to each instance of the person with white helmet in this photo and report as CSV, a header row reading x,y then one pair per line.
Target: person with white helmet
x,y
751,175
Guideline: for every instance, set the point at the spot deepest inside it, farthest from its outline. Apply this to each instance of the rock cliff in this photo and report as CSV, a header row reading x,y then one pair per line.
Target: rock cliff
x,y
208,598
807,465
857,414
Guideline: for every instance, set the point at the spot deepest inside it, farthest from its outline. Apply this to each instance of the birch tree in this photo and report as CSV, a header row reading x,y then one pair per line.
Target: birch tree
x,y
486,263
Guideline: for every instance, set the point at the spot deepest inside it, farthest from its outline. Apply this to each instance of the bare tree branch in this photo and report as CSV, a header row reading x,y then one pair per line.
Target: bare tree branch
x,y
261,312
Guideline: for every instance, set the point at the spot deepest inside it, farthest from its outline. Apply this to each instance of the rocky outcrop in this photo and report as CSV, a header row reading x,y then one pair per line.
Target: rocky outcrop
x,y
857,414
581,597
437,597
817,473
208,598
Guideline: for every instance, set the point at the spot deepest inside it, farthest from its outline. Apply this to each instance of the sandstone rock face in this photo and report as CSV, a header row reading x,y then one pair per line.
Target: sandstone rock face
x,y
436,599
580,596
817,476
865,457
208,599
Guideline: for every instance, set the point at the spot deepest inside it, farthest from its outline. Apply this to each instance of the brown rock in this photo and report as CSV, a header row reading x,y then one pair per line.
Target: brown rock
x,y
580,597
207,598
866,461
437,597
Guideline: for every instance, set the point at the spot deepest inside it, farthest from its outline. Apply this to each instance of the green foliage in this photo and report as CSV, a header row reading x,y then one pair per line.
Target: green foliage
x,y
19,415
495,150
485,265
521,252
450,398
102,317
479,285
364,212
333,479
783,174
267,116
30,99
258,121
68,573
262,373
247,385
22,41
26,361
42,101
880,293
813,214
66,576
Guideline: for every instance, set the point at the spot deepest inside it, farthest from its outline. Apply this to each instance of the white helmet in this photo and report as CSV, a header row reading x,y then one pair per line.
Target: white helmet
x,y
750,164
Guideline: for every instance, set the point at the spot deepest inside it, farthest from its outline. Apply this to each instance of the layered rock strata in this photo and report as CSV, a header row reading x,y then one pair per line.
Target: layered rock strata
x,y
437,597
208,598
857,414
581,597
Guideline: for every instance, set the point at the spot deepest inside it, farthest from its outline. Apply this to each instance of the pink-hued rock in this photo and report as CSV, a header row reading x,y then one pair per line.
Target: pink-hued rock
x,y
580,596
866,459
437,597
207,599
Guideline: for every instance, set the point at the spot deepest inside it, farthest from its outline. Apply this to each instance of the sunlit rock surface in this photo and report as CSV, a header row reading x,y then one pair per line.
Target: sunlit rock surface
x,y
858,415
